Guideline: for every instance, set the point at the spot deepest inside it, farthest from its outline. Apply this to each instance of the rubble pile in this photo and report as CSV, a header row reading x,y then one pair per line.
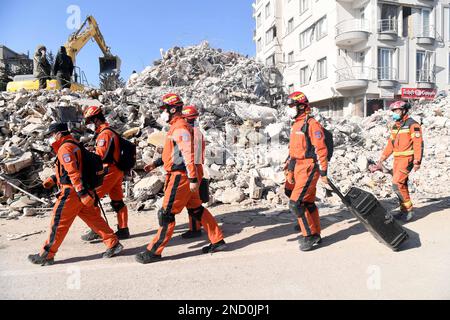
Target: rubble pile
x,y
245,126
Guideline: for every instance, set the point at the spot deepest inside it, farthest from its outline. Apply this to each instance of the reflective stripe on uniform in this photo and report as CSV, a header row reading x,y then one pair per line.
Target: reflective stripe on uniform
x,y
404,153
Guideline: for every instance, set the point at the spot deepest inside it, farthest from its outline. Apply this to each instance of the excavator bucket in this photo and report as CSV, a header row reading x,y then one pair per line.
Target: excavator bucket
x,y
109,64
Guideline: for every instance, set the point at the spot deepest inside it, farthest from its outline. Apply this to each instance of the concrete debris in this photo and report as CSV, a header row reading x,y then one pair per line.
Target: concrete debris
x,y
246,130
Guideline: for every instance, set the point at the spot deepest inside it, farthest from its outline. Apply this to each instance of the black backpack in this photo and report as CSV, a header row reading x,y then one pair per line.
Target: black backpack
x,y
329,142
127,158
92,172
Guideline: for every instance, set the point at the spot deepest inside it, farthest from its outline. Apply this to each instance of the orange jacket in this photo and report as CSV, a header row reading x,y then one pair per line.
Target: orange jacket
x,y
178,152
298,149
107,145
68,164
405,140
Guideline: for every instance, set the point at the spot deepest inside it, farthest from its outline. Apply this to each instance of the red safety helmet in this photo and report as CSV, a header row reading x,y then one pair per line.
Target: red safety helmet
x,y
297,99
190,113
400,105
91,111
171,100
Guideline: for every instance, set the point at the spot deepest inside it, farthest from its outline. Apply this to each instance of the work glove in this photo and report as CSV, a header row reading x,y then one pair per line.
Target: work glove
x,y
86,199
150,167
416,166
325,180
49,183
290,177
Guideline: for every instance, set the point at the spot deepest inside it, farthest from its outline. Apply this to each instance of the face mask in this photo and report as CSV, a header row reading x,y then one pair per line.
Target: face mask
x,y
292,112
165,116
91,126
396,117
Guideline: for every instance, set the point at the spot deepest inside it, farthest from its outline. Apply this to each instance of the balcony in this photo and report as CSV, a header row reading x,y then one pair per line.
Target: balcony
x,y
352,32
387,77
351,78
426,36
388,30
425,78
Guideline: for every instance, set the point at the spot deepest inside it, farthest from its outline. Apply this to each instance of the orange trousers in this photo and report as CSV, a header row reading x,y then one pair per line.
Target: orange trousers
x,y
402,168
303,197
112,186
67,207
178,196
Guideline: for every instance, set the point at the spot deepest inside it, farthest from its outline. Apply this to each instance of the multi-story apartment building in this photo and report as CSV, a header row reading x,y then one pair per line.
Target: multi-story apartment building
x,y
352,57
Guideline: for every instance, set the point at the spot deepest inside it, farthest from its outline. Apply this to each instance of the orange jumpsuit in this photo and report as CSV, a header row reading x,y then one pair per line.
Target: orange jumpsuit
x,y
406,144
68,205
199,158
307,161
108,148
179,163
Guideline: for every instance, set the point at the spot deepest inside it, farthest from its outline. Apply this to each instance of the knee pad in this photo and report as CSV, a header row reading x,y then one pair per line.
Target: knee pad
x,y
117,205
165,217
311,207
298,209
196,213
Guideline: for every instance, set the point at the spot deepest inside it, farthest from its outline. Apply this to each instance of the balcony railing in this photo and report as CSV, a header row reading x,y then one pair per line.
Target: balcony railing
x,y
354,73
387,73
426,75
388,25
427,32
352,25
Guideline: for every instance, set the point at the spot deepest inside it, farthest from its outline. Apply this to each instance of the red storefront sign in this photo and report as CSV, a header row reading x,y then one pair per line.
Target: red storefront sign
x,y
415,93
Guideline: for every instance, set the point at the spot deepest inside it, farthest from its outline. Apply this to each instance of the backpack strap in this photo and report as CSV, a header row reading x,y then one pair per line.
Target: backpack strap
x,y
111,150
309,153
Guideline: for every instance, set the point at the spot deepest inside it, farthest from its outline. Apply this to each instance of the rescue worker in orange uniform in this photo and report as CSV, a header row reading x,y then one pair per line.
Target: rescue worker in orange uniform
x,y
307,162
406,145
74,199
191,114
108,148
181,186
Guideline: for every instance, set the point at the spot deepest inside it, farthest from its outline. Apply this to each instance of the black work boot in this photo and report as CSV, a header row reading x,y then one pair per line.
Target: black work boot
x,y
147,257
114,251
309,242
123,233
38,259
192,234
90,236
219,246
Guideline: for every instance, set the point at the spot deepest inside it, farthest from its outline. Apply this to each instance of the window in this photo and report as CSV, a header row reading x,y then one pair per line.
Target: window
x,y
321,28
426,31
304,80
258,21
290,25
267,10
259,45
270,61
386,64
424,69
446,24
388,18
270,35
306,38
304,5
322,69
290,58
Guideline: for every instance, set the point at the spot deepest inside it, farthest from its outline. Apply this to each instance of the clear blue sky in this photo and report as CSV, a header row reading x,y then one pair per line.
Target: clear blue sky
x,y
134,29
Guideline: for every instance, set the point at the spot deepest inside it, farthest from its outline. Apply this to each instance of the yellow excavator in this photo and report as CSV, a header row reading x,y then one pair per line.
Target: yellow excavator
x,y
88,30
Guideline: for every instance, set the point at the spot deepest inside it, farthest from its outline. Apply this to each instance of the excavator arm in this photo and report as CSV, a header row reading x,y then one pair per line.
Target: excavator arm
x,y
88,30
